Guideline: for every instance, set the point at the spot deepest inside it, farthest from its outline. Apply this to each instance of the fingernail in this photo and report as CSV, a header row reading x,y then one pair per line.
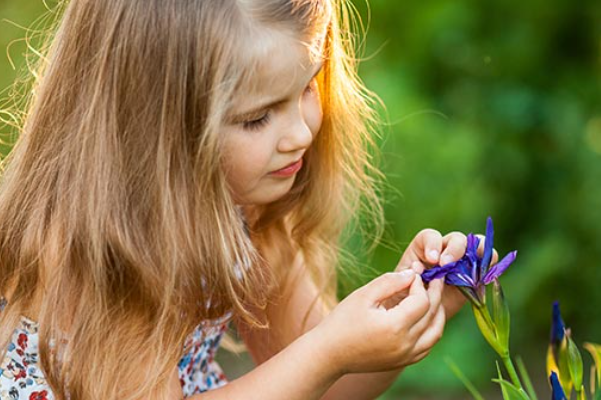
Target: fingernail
x,y
433,254
406,273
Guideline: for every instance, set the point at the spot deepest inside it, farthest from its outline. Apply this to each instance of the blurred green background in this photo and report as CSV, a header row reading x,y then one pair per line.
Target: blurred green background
x,y
493,108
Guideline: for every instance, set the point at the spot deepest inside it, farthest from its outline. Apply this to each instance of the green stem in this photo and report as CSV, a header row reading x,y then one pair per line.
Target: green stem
x,y
580,394
513,375
489,331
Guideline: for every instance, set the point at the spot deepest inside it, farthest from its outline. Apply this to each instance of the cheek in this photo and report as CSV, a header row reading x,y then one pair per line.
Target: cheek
x,y
246,161
314,114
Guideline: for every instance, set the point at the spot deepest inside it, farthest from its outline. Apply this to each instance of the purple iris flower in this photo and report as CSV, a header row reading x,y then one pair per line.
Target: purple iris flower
x,y
472,273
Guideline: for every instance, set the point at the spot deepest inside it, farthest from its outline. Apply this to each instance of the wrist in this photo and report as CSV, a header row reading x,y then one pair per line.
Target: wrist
x,y
323,354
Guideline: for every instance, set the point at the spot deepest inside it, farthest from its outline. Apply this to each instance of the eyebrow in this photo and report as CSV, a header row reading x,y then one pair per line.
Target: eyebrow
x,y
271,104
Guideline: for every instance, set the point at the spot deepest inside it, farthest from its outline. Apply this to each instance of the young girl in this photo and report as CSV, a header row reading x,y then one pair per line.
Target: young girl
x,y
186,163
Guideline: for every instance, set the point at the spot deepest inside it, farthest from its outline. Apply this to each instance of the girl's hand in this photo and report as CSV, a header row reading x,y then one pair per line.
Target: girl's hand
x,y
430,248
365,333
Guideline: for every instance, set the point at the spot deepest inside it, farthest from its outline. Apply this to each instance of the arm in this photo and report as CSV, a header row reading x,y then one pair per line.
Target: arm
x,y
388,338
374,333
306,368
286,316
299,372
286,324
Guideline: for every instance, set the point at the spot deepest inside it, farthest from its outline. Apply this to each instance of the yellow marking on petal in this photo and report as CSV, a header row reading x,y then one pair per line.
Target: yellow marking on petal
x,y
551,364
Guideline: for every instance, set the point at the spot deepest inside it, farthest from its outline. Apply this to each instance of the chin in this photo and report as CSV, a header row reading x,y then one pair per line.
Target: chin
x,y
269,195
264,200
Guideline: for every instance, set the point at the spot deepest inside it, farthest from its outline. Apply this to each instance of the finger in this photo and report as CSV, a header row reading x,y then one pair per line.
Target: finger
x,y
397,297
417,288
415,306
406,261
434,291
426,246
452,300
454,245
432,335
418,267
495,255
394,300
387,285
429,245
419,357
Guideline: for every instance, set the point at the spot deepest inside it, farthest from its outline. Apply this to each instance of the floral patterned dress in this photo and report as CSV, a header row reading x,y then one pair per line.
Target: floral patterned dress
x,y
22,378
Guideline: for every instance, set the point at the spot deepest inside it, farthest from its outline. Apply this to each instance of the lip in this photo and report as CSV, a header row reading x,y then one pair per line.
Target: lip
x,y
289,170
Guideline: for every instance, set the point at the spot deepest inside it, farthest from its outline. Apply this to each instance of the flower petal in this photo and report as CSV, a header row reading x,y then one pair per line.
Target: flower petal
x,y
472,245
558,328
558,393
471,254
500,267
464,266
471,295
459,279
437,272
488,242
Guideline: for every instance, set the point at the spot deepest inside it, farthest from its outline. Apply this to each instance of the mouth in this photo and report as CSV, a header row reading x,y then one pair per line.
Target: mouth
x,y
289,170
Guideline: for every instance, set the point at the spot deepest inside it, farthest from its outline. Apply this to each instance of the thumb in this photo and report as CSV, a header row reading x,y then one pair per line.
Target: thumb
x,y
388,284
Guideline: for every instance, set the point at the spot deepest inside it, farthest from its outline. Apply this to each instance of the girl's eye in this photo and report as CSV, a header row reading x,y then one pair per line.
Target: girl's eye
x,y
257,123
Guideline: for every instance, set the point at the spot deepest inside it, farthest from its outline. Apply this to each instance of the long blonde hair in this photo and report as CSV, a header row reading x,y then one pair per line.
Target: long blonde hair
x,y
113,204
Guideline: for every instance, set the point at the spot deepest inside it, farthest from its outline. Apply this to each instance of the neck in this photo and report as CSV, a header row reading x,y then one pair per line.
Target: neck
x,y
251,214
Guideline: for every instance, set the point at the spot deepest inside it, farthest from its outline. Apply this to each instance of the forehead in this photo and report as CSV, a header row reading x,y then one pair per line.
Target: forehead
x,y
280,62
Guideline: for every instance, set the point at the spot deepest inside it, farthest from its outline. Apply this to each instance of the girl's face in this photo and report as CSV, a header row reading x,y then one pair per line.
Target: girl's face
x,y
271,127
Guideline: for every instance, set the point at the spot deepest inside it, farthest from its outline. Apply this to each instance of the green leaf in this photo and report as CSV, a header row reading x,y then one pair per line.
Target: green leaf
x,y
526,378
595,351
466,382
575,365
500,315
563,364
487,328
510,392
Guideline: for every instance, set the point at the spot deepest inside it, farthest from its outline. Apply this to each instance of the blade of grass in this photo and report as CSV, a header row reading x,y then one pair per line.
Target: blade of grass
x,y
526,378
466,382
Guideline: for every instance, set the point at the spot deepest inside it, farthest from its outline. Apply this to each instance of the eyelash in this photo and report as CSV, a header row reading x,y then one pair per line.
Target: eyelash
x,y
259,123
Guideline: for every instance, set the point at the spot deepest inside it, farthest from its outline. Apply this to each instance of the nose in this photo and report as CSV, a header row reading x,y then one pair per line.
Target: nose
x,y
297,137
